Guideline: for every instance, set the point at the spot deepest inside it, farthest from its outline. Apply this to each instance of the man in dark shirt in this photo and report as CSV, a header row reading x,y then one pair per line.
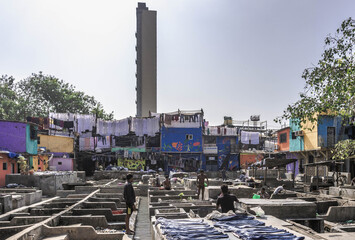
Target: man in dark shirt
x,y
226,201
130,198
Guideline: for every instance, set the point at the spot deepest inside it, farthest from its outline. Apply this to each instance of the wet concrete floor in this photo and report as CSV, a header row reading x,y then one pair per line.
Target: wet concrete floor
x,y
143,222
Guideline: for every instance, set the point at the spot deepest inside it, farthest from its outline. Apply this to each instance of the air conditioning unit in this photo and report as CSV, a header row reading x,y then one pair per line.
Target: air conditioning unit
x,y
299,133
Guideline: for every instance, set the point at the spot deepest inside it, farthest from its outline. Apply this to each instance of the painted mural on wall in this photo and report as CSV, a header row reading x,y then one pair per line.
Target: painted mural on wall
x,y
224,150
181,140
131,164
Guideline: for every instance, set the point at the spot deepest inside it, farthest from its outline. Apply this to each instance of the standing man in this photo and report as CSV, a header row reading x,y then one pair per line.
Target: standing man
x,y
224,176
226,201
130,198
201,183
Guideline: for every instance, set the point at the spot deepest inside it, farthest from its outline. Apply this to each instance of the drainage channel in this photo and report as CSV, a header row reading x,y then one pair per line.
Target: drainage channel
x,y
143,222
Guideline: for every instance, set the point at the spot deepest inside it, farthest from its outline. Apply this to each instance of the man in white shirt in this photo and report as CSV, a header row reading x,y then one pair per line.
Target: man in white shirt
x,y
278,190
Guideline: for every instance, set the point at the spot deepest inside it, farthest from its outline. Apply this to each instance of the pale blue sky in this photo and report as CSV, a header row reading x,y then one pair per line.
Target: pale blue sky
x,y
230,57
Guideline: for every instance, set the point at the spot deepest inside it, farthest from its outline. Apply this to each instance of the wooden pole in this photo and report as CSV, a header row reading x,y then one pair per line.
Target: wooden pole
x,y
265,175
317,175
294,173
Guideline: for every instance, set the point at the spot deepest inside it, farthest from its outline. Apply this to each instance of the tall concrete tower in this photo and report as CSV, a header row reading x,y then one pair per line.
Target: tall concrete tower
x,y
146,61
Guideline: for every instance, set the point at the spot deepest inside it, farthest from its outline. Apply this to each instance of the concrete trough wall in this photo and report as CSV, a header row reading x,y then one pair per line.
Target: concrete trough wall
x,y
191,183
212,192
101,211
281,208
348,192
48,183
31,195
121,175
111,205
7,232
80,233
170,197
340,214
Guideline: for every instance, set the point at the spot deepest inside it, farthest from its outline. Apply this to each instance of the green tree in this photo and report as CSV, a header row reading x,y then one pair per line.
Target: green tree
x,y
40,94
330,85
9,100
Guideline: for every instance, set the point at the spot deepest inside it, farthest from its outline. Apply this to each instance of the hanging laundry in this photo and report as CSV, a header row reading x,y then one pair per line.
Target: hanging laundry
x,y
168,119
254,138
244,138
68,124
250,137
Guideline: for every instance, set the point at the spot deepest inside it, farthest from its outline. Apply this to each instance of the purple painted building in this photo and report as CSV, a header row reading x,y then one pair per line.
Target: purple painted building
x,y
61,164
19,137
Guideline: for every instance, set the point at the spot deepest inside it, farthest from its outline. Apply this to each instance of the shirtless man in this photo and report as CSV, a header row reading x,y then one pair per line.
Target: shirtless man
x,y
201,183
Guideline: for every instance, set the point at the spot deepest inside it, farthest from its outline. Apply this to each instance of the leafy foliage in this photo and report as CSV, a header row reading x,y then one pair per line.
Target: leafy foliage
x,y
330,86
9,100
344,149
40,94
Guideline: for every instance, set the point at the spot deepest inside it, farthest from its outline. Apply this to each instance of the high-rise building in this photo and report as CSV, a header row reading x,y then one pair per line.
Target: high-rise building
x,y
146,61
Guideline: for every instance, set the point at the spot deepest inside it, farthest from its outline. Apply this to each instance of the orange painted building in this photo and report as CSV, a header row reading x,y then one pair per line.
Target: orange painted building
x,y
246,159
283,140
7,166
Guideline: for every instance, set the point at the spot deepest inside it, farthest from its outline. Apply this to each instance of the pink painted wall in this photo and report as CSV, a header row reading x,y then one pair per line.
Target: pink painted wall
x,y
62,164
8,161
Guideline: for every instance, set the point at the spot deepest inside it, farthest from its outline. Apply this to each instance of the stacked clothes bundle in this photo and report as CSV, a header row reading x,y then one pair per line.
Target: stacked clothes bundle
x,y
247,228
180,229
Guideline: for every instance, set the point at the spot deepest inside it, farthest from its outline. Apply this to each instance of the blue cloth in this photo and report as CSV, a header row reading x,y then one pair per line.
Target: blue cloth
x,y
247,228
189,229
13,155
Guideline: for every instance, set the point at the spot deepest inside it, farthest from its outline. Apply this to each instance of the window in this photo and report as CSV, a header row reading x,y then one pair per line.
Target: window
x,y
59,163
33,133
294,135
39,161
310,159
189,136
38,140
4,166
283,138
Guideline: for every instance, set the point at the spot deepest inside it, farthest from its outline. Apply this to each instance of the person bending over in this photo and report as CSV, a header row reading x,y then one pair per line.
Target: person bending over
x,y
167,183
278,190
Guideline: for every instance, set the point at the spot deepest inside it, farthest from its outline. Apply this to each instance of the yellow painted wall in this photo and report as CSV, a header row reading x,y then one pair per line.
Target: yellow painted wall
x,y
310,136
56,143
43,163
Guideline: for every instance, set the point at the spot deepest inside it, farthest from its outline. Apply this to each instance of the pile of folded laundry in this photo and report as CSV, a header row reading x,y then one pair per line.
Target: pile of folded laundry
x,y
247,228
188,229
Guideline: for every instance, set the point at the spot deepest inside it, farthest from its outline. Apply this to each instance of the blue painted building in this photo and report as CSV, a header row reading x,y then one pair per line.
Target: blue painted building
x,y
296,141
224,145
182,148
329,131
219,152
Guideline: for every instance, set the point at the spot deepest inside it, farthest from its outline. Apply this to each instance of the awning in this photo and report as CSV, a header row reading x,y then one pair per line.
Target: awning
x,y
277,162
